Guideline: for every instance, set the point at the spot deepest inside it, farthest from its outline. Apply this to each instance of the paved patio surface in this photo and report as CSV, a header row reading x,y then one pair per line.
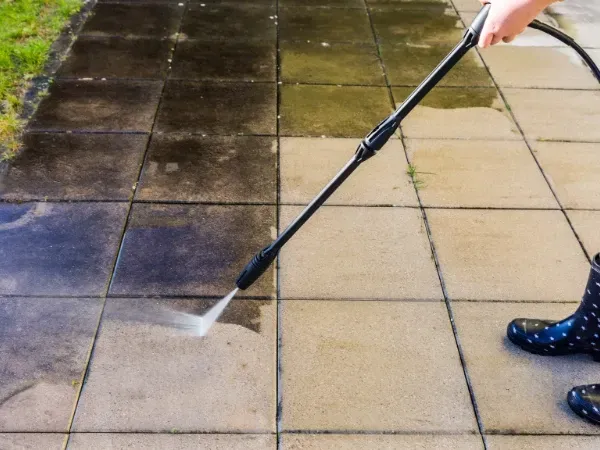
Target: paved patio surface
x,y
180,136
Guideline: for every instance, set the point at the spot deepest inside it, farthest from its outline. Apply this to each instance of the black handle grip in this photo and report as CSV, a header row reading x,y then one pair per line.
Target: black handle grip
x,y
477,24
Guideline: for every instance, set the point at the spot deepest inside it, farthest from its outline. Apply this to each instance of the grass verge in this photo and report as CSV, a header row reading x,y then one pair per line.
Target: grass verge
x,y
27,30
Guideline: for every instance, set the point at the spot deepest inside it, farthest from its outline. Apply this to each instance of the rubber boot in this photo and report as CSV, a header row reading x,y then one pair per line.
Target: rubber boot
x,y
578,333
585,401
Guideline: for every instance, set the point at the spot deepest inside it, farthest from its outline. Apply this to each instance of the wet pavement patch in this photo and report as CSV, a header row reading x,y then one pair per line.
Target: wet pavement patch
x,y
429,26
74,167
413,4
100,57
98,106
360,4
232,21
408,65
44,346
325,24
230,61
211,108
346,111
121,19
58,248
336,63
223,169
195,250
455,98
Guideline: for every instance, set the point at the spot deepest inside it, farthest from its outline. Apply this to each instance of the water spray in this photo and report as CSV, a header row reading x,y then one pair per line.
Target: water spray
x,y
369,147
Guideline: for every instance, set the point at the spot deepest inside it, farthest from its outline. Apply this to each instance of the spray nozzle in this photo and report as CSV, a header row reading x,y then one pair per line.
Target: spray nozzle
x,y
256,267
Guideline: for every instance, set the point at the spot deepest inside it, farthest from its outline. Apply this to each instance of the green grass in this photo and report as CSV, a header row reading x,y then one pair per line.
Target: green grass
x,y
27,30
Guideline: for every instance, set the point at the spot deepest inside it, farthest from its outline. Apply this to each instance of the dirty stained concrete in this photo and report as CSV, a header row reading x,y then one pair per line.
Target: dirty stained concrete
x,y
180,136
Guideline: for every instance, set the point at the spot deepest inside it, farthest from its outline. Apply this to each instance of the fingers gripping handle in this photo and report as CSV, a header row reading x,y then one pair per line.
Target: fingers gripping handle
x,y
477,25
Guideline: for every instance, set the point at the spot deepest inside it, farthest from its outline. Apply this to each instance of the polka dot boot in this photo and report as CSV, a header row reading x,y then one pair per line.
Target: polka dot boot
x,y
585,401
578,333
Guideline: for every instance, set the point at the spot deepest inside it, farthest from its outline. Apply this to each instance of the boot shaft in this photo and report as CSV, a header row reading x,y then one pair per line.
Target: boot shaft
x,y
591,296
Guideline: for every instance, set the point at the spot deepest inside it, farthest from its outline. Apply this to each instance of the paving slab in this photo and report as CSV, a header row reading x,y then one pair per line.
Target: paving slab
x,y
324,24
224,61
458,113
230,22
437,24
58,248
218,108
74,167
579,19
331,63
408,65
192,250
508,255
517,392
115,57
457,173
118,441
128,106
585,224
217,169
44,348
572,170
563,115
380,442
120,19
415,4
365,365
358,253
467,5
308,164
32,441
538,67
535,442
151,372
360,4
332,111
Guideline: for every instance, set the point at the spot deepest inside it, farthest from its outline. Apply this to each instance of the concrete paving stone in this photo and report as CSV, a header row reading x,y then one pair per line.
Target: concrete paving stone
x,y
44,348
120,19
408,65
226,61
332,111
580,19
358,253
456,173
325,24
380,442
335,63
137,441
308,164
58,248
434,25
572,169
235,21
218,108
556,114
467,5
517,392
537,67
359,4
223,169
585,224
152,372
458,113
98,106
508,255
415,4
536,442
193,250
366,366
74,167
106,57
32,441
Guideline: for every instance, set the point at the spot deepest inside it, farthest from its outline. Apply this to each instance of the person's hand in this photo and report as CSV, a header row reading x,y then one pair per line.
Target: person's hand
x,y
509,18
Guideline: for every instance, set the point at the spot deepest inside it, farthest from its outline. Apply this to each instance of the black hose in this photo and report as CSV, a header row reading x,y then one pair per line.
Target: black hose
x,y
537,25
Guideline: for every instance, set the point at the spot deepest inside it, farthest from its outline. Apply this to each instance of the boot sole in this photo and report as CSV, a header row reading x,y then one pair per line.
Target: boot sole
x,y
537,351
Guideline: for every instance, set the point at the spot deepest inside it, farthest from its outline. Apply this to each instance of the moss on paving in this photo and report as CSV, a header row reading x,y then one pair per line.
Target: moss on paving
x,y
454,98
27,30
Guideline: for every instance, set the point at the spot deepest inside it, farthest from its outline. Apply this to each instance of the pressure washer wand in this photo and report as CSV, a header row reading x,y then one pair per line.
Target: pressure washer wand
x,y
369,146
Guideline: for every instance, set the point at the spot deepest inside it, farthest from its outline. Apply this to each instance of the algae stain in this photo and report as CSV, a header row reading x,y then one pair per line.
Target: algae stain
x,y
457,98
